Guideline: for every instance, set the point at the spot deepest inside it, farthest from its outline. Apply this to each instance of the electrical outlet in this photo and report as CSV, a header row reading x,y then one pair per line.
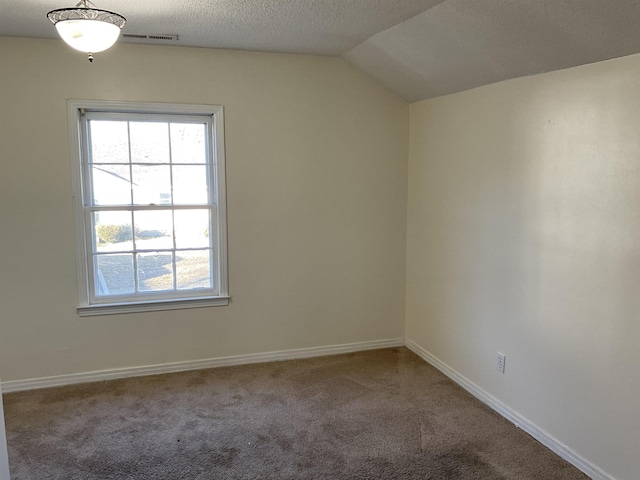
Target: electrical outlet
x,y
501,361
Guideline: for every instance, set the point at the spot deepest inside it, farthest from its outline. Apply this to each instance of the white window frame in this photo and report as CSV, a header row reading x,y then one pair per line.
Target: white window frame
x,y
89,304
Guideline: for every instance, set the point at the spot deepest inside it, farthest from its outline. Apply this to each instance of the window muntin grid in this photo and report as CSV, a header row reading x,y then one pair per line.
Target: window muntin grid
x,y
137,167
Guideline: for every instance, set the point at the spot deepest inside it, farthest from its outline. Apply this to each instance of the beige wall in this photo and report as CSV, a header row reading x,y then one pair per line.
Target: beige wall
x,y
524,237
317,171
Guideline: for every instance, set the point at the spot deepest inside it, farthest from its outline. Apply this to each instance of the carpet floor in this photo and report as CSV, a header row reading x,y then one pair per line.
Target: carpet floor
x,y
382,414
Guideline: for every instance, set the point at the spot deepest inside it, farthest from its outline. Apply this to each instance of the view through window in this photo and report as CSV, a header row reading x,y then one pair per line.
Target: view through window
x,y
151,209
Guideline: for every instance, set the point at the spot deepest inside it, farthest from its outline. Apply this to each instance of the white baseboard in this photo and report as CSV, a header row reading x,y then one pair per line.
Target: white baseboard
x,y
86,377
514,417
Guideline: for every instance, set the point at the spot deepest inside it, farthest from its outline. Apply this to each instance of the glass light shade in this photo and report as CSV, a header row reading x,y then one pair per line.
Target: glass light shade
x,y
89,36
87,29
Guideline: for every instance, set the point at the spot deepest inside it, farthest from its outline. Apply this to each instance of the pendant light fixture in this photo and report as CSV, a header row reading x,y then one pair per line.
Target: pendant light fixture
x,y
87,29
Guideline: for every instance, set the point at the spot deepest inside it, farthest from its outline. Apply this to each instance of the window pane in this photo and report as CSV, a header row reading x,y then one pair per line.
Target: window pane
x,y
111,185
113,232
187,143
193,269
114,274
109,141
192,228
190,185
149,208
155,271
151,185
154,230
149,142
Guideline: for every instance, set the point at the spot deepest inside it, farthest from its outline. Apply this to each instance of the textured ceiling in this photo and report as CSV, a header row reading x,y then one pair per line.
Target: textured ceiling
x,y
322,27
462,44
418,48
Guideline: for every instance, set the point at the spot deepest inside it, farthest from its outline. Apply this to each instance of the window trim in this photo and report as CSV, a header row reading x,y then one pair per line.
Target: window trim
x,y
85,307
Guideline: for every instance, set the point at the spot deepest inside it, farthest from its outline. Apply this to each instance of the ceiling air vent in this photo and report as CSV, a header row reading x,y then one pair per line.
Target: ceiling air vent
x,y
138,36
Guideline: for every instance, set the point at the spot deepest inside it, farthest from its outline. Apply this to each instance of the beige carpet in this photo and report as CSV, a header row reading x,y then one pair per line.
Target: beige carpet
x,y
382,414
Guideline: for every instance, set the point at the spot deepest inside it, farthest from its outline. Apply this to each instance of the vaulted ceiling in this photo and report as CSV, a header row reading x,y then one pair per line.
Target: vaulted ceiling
x,y
418,48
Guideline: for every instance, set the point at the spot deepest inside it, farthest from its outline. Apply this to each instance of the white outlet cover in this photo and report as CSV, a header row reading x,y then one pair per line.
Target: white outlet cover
x,y
502,358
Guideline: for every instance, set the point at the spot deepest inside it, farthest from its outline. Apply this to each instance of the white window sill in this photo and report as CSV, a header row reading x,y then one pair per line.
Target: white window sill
x,y
151,306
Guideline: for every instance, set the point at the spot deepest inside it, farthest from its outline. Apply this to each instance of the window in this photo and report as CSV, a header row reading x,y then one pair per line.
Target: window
x,y
149,206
